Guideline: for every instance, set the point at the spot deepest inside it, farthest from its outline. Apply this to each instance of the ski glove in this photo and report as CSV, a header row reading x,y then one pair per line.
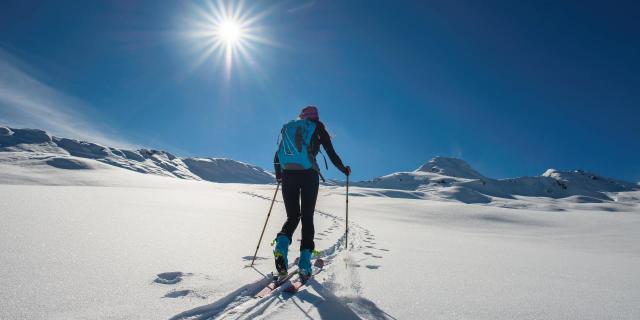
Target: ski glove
x,y
347,170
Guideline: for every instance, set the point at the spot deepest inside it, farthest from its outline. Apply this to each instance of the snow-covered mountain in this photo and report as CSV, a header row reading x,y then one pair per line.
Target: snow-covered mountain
x,y
439,178
452,178
450,167
37,147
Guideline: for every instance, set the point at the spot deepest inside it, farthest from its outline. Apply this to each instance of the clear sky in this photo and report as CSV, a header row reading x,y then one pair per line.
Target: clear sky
x,y
513,87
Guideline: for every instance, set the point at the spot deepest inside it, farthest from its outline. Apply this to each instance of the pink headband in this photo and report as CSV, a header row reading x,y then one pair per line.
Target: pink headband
x,y
309,112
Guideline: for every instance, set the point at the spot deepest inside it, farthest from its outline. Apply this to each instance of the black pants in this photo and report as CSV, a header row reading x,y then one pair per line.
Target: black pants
x,y
299,192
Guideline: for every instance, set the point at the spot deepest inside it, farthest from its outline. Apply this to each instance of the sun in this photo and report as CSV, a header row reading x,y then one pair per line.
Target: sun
x,y
225,32
230,32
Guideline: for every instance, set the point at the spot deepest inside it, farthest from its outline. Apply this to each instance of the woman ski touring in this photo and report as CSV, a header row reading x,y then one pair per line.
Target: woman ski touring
x,y
297,170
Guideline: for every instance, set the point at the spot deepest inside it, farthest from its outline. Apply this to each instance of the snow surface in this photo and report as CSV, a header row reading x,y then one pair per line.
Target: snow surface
x,y
82,238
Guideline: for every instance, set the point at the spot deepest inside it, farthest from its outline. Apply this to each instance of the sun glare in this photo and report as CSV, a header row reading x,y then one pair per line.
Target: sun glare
x,y
229,32
226,32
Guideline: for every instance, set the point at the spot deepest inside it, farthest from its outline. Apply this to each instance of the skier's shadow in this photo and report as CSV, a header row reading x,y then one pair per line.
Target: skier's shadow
x,y
330,306
211,310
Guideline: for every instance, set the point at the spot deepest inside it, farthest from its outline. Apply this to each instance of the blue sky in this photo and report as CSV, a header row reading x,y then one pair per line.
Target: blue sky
x,y
513,87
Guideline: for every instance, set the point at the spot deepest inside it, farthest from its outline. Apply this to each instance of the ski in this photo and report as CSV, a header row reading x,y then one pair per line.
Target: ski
x,y
274,284
301,281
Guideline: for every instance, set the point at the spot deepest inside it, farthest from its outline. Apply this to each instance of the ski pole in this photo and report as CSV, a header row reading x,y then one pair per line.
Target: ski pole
x,y
346,232
265,224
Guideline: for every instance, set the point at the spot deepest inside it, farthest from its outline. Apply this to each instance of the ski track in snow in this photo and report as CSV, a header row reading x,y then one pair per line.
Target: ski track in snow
x,y
340,274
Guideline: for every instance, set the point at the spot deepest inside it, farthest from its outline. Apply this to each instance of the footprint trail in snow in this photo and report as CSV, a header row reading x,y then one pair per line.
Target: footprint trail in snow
x,y
334,291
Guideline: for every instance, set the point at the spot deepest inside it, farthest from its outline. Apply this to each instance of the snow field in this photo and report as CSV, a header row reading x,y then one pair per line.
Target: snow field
x,y
82,238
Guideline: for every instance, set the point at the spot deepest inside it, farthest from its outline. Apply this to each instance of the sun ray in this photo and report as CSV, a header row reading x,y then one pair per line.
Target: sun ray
x,y
227,32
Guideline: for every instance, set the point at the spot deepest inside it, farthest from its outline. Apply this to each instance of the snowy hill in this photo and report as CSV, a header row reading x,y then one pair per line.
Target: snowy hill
x,y
83,238
37,148
124,245
451,178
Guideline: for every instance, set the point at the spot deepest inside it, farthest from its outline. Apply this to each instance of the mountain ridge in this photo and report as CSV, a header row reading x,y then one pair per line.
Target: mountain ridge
x,y
453,178
440,177
60,152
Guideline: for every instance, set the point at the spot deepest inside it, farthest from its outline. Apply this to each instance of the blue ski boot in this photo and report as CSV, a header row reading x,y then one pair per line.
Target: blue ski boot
x,y
304,264
280,254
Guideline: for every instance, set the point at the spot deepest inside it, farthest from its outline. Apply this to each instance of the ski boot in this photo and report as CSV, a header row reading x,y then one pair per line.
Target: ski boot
x,y
280,254
304,265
